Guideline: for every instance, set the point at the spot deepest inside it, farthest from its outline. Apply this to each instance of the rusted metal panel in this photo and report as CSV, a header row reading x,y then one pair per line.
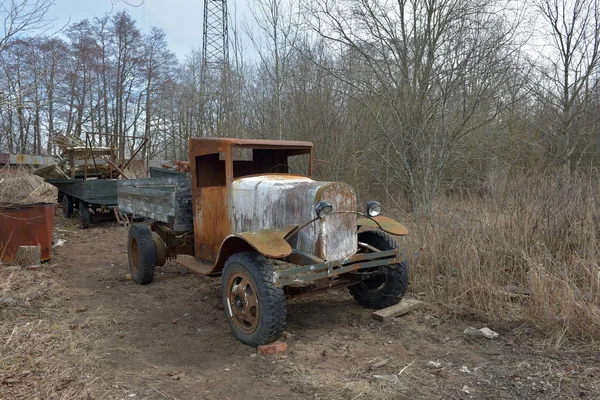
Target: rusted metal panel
x,y
26,225
336,238
211,222
194,265
27,159
202,146
269,242
267,201
385,224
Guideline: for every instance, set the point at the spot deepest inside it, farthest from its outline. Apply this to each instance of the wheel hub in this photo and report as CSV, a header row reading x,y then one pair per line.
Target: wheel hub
x,y
243,302
134,254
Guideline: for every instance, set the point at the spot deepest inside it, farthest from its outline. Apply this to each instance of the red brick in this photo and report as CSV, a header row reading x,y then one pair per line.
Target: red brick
x,y
272,348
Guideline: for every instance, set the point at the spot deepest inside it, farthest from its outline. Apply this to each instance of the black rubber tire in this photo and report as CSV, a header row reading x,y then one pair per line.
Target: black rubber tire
x,y
141,254
271,300
383,290
84,215
67,205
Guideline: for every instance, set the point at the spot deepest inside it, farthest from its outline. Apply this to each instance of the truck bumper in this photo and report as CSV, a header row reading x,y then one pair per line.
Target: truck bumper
x,y
330,269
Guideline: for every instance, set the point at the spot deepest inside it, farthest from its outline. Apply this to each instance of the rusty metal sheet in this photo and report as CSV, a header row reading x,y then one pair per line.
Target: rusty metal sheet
x,y
26,225
211,221
202,146
194,265
336,233
28,159
385,224
269,242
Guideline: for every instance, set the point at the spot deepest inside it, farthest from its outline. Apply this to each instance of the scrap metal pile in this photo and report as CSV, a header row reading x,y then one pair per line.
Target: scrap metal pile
x,y
80,160
83,159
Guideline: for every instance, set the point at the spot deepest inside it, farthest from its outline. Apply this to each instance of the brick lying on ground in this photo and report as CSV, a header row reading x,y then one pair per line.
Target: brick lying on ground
x,y
272,348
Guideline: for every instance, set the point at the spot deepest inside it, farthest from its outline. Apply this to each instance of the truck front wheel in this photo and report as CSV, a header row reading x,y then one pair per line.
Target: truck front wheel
x,y
255,308
383,290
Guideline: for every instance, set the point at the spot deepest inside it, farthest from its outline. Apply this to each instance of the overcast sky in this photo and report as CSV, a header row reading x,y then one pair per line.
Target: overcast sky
x,y
180,19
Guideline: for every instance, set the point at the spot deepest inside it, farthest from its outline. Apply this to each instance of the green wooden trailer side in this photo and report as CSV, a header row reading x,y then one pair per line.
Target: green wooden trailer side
x,y
92,191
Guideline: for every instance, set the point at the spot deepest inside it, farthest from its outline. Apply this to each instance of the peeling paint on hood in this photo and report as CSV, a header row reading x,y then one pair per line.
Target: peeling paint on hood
x,y
267,201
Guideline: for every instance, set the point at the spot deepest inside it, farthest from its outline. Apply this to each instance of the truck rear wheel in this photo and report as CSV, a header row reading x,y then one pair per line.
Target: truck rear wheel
x,y
383,290
141,254
255,308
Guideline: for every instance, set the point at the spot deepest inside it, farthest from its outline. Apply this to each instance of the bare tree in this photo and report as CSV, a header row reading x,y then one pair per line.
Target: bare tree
x,y
430,73
127,40
54,57
156,64
277,34
569,68
22,18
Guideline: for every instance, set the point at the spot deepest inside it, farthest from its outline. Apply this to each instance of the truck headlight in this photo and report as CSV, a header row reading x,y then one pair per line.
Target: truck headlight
x,y
374,208
323,208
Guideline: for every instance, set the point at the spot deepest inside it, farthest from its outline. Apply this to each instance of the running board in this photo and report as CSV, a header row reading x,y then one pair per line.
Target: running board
x,y
194,265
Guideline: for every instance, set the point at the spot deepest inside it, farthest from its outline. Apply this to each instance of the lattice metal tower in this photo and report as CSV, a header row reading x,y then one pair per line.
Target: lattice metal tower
x,y
215,65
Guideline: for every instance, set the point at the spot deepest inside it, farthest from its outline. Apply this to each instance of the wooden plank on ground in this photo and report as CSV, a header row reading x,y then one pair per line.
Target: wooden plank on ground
x,y
405,306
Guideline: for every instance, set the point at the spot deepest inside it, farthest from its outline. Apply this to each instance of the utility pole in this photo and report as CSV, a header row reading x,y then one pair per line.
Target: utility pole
x,y
215,67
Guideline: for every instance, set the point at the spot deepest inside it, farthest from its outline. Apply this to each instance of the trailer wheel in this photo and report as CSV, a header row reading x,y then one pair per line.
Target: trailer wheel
x,y
255,308
84,215
67,205
383,290
141,254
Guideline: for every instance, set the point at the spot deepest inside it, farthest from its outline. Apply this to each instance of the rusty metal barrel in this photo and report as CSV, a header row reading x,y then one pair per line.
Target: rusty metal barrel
x,y
26,225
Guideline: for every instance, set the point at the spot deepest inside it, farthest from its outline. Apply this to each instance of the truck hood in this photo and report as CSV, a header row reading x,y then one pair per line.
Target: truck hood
x,y
274,200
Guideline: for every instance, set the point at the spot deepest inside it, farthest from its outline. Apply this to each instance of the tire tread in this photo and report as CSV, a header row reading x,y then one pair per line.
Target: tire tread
x,y
143,236
275,300
396,283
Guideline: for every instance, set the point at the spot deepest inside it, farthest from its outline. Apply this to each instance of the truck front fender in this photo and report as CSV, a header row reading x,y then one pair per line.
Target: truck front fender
x,y
386,224
268,242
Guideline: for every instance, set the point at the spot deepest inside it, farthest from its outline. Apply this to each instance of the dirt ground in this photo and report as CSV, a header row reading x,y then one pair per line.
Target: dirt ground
x,y
78,328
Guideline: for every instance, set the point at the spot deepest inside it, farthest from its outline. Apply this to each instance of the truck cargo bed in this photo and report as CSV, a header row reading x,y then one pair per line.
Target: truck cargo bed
x,y
165,197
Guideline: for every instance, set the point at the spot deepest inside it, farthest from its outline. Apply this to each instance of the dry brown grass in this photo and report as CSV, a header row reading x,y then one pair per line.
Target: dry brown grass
x,y
17,186
136,171
46,351
540,234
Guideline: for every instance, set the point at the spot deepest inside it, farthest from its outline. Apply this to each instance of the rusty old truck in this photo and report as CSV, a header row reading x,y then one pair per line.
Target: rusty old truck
x,y
250,213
